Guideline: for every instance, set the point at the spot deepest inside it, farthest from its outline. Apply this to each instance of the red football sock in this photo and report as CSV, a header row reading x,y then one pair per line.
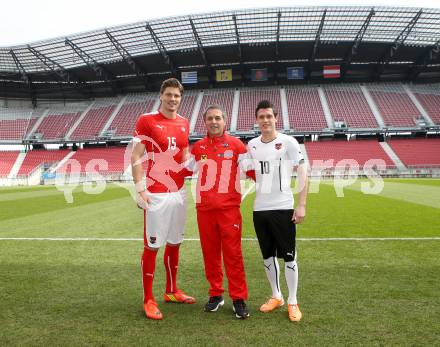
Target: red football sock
x,y
148,265
171,261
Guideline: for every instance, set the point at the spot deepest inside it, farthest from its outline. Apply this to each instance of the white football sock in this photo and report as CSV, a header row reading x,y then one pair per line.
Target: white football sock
x,y
273,275
291,272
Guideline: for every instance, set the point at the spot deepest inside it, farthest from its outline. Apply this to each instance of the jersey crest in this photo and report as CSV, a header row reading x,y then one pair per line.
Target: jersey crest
x,y
228,154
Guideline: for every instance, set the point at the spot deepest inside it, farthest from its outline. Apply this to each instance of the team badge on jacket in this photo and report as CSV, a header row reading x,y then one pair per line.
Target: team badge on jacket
x,y
228,154
183,129
278,145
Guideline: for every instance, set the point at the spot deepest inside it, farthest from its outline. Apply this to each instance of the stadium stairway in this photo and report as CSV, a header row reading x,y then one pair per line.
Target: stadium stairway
x,y
7,160
429,98
284,109
113,115
156,105
78,121
393,156
61,162
326,108
37,124
304,152
16,167
418,105
235,108
195,112
373,107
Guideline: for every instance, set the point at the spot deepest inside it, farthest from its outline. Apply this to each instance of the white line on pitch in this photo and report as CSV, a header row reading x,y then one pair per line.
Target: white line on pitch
x,y
244,239
369,238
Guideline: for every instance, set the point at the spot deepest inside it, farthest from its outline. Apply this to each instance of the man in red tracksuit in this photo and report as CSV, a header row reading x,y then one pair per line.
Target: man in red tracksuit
x,y
216,158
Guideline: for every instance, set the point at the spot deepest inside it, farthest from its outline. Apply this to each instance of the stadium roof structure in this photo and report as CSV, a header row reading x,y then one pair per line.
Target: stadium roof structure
x,y
368,43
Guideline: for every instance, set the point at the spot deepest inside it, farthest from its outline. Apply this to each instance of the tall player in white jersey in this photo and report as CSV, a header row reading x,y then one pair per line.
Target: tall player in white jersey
x,y
274,157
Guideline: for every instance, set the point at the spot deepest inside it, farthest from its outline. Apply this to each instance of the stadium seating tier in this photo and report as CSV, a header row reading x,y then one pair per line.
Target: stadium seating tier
x,y
222,98
305,110
92,123
249,100
36,158
361,151
417,152
351,107
102,160
7,161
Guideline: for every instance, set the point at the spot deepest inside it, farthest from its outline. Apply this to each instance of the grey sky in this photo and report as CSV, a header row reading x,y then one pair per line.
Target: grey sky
x,y
26,21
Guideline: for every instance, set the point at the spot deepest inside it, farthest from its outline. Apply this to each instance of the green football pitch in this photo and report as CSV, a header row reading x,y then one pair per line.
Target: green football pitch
x,y
369,272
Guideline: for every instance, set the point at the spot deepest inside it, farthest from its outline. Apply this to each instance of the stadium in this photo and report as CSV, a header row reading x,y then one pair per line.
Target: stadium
x,y
352,84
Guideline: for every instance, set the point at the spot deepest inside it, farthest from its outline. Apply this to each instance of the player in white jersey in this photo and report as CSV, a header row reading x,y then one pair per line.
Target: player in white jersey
x,y
274,157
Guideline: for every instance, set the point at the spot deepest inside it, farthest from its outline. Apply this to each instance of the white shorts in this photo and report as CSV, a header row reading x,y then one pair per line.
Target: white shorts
x,y
164,219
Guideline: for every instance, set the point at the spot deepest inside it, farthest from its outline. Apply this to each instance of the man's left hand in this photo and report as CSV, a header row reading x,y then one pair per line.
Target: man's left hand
x,y
299,214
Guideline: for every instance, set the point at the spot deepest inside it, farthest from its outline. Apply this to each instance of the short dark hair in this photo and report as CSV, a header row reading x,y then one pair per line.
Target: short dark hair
x,y
173,83
215,107
265,104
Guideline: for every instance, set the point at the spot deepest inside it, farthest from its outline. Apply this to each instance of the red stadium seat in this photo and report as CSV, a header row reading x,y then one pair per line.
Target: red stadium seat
x,y
360,151
55,126
305,109
16,123
112,158
187,105
350,106
249,100
223,98
125,120
431,104
395,105
7,161
36,158
92,123
417,152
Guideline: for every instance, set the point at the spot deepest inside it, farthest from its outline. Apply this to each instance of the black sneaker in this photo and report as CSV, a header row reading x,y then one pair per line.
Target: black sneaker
x,y
214,303
240,309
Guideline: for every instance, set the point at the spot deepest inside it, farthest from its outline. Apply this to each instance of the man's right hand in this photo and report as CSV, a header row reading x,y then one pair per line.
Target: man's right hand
x,y
142,200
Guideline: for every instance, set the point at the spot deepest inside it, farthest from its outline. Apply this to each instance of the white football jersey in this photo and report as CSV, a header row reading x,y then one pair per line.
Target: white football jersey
x,y
273,163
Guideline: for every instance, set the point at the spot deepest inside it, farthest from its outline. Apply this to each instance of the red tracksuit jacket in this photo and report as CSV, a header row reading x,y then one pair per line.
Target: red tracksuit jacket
x,y
220,188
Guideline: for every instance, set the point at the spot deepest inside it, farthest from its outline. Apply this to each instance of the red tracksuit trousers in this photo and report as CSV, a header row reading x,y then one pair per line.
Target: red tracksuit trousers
x,y
220,234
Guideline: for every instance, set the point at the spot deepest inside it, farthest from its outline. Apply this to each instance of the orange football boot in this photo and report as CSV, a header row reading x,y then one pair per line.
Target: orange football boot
x,y
179,297
152,311
295,314
271,304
